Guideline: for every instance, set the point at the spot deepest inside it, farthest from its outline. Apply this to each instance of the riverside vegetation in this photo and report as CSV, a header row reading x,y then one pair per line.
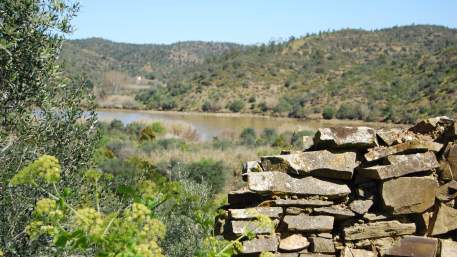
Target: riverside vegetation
x,y
398,74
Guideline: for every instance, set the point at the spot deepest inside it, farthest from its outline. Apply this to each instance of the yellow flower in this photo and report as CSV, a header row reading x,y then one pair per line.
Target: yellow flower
x,y
267,254
46,167
153,229
150,249
38,228
138,212
44,206
91,221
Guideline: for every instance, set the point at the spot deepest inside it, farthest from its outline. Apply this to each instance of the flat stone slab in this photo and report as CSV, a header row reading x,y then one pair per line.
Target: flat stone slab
x,y
447,192
252,213
302,202
407,195
345,137
414,246
318,163
244,197
389,136
278,182
378,229
294,242
361,206
446,220
451,158
377,153
321,245
448,248
338,212
349,252
316,255
240,227
401,165
258,245
308,223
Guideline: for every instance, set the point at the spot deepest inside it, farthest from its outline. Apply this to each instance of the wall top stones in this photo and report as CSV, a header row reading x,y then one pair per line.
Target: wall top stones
x,y
353,191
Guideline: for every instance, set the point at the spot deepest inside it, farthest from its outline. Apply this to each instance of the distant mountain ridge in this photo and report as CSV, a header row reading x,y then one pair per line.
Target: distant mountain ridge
x,y
396,74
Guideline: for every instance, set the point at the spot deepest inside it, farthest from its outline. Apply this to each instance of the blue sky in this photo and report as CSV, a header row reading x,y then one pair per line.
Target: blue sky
x,y
248,21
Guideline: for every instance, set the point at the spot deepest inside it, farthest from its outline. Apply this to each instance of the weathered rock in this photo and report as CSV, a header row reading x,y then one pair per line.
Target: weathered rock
x,y
450,154
389,136
448,248
243,198
361,206
440,129
302,202
268,182
308,142
318,163
251,213
345,137
287,255
338,212
293,243
321,245
377,153
414,246
258,245
250,166
378,229
348,252
447,191
445,221
240,227
409,194
401,165
374,217
446,173
294,210
307,223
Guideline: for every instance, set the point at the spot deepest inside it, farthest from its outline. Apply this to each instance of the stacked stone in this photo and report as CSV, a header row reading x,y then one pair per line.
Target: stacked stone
x,y
353,192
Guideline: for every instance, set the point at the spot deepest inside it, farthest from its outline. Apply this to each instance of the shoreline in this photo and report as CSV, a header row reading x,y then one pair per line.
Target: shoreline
x,y
253,115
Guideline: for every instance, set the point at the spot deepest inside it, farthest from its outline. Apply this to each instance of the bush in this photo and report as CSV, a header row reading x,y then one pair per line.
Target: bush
x,y
248,136
116,124
263,107
236,106
268,136
211,172
328,113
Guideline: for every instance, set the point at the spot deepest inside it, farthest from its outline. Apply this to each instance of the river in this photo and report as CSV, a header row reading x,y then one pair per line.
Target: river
x,y
211,125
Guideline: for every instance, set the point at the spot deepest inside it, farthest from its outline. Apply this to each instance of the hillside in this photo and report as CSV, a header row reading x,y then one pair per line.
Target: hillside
x,y
398,74
94,56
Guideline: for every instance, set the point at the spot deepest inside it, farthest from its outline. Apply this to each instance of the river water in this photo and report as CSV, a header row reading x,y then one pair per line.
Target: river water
x,y
211,125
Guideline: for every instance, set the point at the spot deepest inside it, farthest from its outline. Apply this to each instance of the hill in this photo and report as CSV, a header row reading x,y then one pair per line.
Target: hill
x,y
94,56
398,74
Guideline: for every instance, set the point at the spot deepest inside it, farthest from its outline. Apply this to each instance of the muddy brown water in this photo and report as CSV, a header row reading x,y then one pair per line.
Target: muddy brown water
x,y
212,125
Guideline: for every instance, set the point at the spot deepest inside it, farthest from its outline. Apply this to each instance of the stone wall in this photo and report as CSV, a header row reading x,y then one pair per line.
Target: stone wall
x,y
353,192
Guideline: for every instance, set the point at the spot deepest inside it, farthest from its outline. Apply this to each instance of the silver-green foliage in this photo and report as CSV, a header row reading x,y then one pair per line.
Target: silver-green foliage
x,y
40,110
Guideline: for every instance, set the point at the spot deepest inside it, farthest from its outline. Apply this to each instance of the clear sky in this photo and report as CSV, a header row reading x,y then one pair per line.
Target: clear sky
x,y
248,21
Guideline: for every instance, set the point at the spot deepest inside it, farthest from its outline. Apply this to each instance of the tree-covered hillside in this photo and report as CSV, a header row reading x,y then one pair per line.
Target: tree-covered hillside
x,y
397,74
94,56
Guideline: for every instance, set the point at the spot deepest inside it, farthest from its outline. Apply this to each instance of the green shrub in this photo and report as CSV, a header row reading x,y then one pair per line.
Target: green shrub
x,y
236,106
116,124
211,172
248,136
268,136
328,113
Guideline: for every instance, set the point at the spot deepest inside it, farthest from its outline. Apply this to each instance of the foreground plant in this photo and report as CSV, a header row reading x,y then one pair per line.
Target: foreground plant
x,y
87,227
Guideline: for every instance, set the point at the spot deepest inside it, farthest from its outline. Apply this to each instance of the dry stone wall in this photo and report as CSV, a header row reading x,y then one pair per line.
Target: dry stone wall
x,y
354,192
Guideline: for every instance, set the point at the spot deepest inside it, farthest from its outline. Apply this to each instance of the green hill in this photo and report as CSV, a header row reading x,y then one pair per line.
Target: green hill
x,y
397,74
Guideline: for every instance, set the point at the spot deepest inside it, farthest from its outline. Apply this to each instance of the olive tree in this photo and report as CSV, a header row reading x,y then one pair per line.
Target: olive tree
x,y
41,111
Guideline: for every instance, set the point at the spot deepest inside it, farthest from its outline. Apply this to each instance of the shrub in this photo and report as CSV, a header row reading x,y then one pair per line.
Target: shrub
x,y
236,106
208,171
116,124
268,136
263,107
328,113
248,136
